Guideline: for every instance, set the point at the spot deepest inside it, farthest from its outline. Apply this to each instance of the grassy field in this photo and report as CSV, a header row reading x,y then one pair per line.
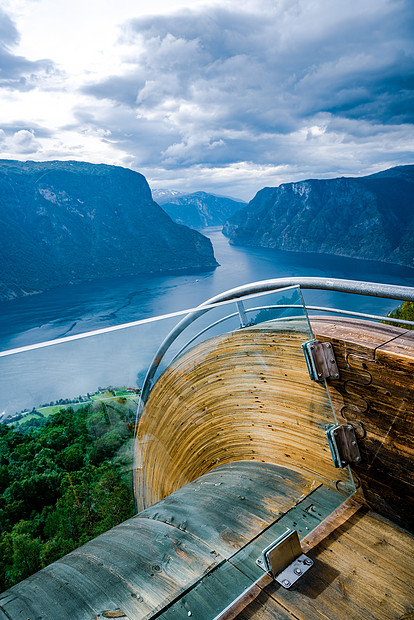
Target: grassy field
x,y
103,395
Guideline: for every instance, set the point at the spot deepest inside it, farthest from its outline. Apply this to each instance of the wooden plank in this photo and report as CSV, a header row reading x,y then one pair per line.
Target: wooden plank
x,y
362,570
209,597
361,336
232,504
136,567
375,393
304,518
263,607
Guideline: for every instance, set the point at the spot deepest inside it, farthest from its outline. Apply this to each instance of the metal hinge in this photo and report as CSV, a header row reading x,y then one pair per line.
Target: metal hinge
x,y
343,444
320,358
285,560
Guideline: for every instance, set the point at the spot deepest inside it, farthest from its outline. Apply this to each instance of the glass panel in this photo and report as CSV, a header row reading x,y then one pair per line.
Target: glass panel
x,y
237,388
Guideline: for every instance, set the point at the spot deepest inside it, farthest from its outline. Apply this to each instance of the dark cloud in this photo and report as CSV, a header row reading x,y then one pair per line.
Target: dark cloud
x,y
16,72
9,129
233,83
123,89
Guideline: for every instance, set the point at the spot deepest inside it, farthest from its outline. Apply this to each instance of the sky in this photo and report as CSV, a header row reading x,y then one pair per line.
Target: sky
x,y
224,96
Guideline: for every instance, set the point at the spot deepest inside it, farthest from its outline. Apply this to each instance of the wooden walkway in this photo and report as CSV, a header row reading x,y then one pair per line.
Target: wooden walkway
x,y
233,446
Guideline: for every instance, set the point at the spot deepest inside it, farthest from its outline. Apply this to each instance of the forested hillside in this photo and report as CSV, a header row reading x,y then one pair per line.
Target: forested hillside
x,y
368,217
63,481
63,222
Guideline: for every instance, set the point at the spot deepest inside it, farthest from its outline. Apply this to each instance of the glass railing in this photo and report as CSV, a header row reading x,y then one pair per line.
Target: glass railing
x,y
111,365
236,387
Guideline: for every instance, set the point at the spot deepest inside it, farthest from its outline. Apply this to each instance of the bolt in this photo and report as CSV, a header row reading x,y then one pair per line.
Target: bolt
x,y
353,443
336,376
335,433
319,374
328,344
350,427
312,347
297,571
343,462
332,360
286,583
189,613
357,459
308,562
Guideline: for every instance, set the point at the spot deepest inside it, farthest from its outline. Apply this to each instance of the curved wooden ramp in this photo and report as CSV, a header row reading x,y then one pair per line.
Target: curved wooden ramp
x,y
245,395
193,555
142,565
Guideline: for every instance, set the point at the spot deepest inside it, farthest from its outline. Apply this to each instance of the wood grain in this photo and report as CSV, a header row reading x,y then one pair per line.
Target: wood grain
x,y
375,393
244,396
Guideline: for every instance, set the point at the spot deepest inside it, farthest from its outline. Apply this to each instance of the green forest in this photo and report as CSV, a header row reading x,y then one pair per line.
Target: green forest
x,y
405,312
63,480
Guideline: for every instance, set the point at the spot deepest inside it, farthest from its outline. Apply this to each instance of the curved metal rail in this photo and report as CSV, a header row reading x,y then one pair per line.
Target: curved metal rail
x,y
371,289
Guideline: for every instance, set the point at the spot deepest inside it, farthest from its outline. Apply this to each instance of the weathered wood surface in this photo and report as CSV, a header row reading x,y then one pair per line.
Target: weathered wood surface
x,y
245,396
146,562
375,393
364,569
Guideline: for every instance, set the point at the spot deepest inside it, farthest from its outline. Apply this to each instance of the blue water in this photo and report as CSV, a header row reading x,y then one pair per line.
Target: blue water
x,y
68,370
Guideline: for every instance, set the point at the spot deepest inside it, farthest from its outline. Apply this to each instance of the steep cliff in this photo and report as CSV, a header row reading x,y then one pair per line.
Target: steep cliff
x,y
369,217
200,209
66,222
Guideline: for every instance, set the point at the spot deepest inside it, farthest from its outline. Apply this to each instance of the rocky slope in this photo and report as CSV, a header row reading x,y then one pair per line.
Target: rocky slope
x,y
200,209
66,222
369,217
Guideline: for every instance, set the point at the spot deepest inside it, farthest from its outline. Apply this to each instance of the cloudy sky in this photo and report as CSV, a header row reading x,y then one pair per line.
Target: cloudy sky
x,y
227,96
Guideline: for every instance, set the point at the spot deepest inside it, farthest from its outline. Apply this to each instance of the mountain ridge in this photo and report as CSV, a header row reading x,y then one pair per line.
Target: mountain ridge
x,y
201,209
368,217
63,222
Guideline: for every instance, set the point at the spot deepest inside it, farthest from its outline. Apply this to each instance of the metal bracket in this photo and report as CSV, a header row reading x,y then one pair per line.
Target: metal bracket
x,y
343,444
285,560
320,358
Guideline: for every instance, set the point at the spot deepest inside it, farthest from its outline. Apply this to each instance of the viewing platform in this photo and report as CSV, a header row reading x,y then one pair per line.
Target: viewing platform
x,y
263,419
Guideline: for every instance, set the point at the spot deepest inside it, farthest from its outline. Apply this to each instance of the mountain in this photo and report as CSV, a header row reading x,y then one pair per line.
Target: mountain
x,y
368,217
66,222
200,209
161,196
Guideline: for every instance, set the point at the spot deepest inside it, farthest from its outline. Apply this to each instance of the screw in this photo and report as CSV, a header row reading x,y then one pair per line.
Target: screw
x,y
350,427
319,374
297,571
343,462
308,562
286,583
328,344
312,347
335,433
336,376
189,613
332,360
357,459
353,443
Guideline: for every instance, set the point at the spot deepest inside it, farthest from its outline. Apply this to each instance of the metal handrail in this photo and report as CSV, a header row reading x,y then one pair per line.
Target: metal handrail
x,y
371,289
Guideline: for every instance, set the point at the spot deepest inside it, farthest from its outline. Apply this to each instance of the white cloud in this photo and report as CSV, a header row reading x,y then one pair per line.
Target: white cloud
x,y
209,91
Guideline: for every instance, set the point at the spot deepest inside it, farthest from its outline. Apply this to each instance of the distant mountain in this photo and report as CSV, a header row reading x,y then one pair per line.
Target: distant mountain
x,y
200,209
161,196
65,222
368,217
